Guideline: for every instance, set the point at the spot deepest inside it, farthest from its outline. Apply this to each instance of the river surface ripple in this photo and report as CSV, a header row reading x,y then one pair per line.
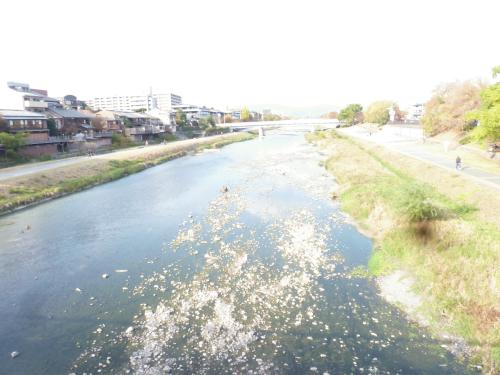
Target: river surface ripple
x,y
163,272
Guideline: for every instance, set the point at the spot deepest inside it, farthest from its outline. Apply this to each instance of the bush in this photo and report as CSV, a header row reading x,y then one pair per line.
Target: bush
x,y
168,137
120,141
217,130
416,204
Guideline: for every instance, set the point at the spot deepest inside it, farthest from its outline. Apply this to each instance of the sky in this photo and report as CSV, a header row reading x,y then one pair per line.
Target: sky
x,y
261,52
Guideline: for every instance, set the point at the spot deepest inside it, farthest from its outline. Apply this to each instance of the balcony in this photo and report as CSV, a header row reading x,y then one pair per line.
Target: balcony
x,y
35,104
149,129
50,139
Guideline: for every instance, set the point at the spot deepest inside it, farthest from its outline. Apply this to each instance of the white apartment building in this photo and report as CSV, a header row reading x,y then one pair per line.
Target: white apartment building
x,y
163,102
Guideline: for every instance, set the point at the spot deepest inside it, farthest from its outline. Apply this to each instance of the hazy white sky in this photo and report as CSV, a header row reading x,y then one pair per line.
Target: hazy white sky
x,y
224,53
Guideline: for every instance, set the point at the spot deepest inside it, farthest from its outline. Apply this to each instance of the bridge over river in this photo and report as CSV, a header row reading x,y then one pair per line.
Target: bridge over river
x,y
297,124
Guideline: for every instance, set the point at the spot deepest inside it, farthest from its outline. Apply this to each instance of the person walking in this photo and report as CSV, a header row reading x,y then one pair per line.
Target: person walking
x,y
458,163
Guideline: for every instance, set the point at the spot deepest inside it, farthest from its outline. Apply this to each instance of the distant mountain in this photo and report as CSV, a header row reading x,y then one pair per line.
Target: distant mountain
x,y
313,111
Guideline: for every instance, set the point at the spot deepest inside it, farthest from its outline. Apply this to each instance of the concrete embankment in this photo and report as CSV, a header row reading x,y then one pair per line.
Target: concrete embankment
x,y
33,188
437,229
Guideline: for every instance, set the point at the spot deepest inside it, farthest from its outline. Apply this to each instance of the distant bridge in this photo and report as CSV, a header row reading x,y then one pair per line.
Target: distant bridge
x,y
308,124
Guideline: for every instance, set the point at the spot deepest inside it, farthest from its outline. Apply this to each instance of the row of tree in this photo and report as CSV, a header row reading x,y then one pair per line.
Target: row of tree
x,y
458,106
245,116
465,106
378,113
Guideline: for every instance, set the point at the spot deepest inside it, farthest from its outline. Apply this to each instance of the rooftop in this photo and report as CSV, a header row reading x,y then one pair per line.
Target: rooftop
x,y
70,113
14,114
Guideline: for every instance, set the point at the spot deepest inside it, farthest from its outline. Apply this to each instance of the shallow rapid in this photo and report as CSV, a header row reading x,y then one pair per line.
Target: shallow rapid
x,y
167,272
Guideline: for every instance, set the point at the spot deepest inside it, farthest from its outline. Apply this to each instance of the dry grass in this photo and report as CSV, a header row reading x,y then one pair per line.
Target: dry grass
x,y
455,257
32,188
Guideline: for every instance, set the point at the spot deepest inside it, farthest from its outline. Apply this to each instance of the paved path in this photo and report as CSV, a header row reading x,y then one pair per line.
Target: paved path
x,y
21,170
415,149
134,152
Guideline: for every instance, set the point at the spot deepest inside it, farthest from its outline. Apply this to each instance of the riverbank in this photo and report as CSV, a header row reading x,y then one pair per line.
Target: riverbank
x,y
435,226
23,191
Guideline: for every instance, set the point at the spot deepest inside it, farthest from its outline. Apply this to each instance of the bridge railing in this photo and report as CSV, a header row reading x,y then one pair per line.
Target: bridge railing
x,y
308,122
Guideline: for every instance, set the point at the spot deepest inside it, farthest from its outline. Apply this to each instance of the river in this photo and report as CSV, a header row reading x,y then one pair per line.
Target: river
x,y
166,272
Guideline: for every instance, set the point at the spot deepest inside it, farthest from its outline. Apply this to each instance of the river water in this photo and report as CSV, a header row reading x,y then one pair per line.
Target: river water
x,y
165,272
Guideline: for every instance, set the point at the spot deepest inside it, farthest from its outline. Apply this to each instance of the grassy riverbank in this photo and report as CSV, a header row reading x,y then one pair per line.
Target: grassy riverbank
x,y
37,187
433,224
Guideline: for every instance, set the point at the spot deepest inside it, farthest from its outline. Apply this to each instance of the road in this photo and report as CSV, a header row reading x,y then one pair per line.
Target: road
x,y
416,149
22,170
134,152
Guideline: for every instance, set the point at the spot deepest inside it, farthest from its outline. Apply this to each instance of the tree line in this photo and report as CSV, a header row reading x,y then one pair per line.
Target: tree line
x,y
469,108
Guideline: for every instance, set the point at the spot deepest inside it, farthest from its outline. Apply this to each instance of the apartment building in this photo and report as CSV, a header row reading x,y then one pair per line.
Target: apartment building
x,y
164,102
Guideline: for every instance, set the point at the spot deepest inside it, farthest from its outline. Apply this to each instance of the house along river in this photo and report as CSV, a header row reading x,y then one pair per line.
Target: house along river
x,y
166,272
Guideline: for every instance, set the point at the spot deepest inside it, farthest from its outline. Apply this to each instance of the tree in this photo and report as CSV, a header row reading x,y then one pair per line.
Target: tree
x,y
51,125
378,112
228,119
245,114
447,108
496,71
272,117
352,114
399,115
12,142
488,115
206,122
180,118
330,115
99,123
3,125
70,126
127,123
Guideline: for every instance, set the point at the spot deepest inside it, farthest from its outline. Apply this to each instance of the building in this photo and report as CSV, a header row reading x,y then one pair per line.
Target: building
x,y
27,98
70,121
141,126
167,118
195,112
164,102
34,125
71,102
414,113
254,115
111,121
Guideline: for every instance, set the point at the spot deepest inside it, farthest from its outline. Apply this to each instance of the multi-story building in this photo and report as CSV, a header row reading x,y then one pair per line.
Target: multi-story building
x,y
195,112
27,98
164,102
34,126
254,115
414,113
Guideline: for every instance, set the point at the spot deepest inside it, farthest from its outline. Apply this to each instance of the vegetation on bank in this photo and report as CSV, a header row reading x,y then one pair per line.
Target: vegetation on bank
x,y
470,108
449,243
65,180
11,144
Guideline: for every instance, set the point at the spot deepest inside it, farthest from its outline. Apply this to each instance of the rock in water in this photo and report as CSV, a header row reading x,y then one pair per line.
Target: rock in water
x,y
105,276
14,354
129,330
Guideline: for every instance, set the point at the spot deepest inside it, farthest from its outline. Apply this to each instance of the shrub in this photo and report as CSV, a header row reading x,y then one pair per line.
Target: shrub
x,y
416,204
216,130
120,141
